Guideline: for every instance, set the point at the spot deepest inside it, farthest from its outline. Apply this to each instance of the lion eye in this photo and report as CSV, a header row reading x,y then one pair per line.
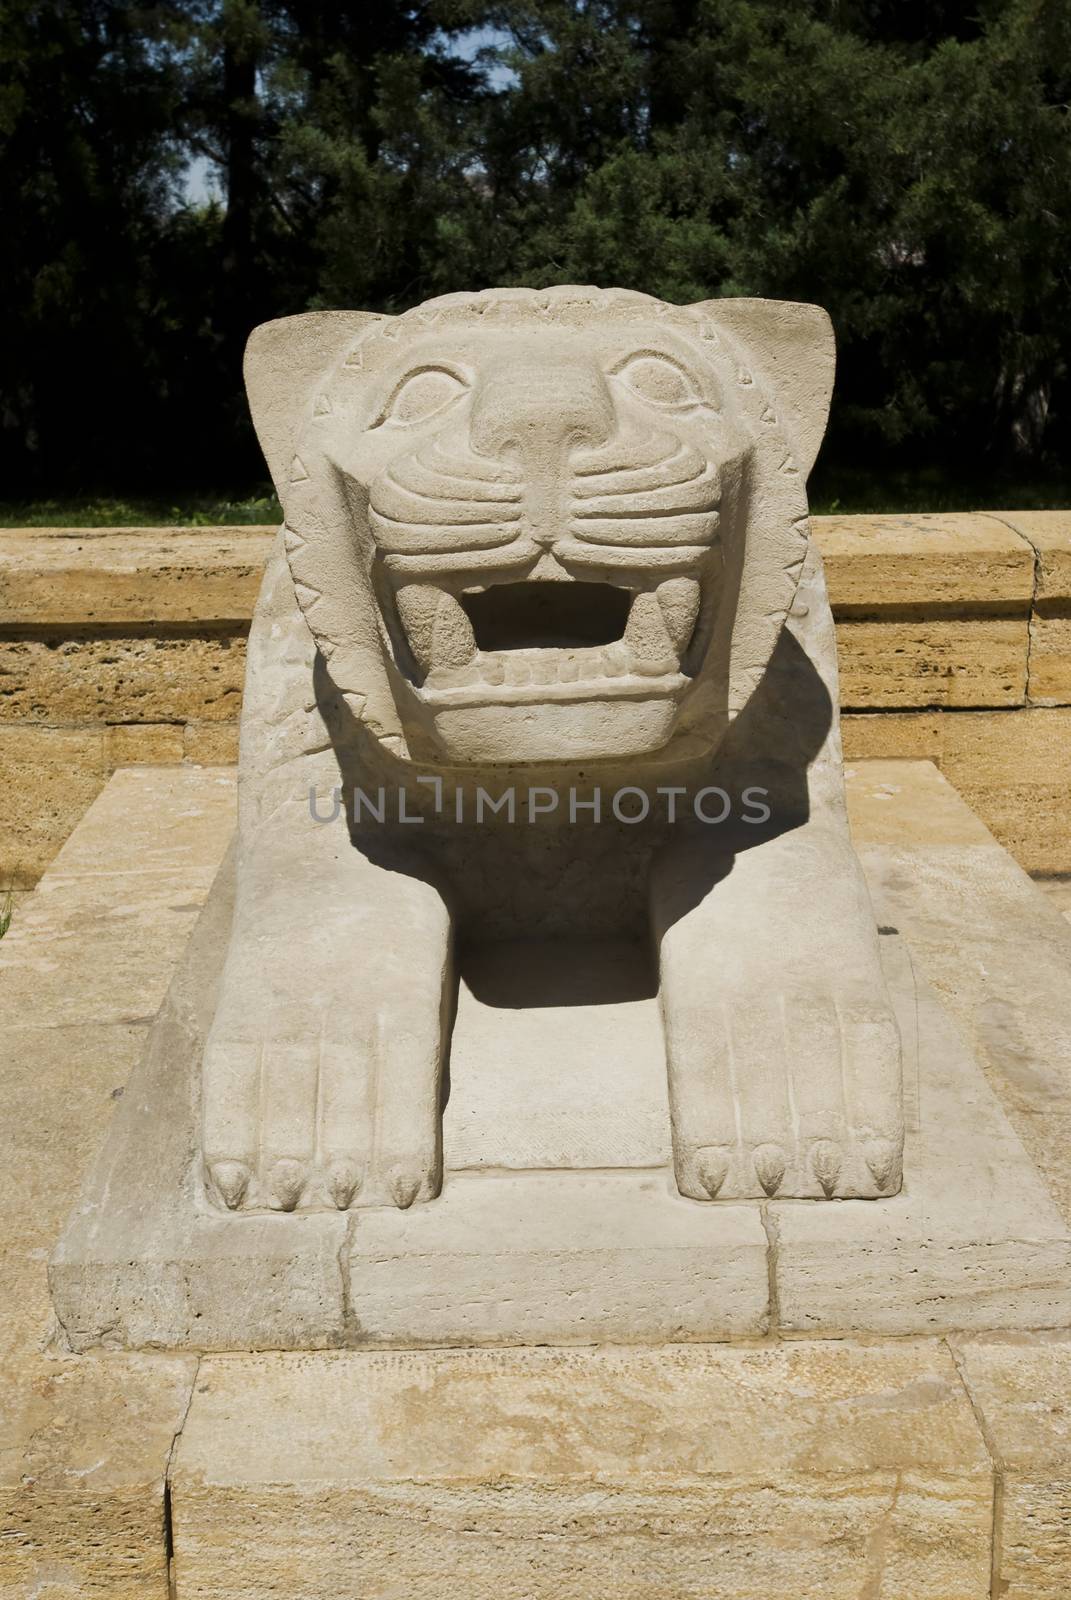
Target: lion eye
x,y
420,395
659,380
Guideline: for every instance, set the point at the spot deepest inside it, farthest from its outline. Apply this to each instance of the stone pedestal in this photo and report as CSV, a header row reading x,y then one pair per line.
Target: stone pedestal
x,y
910,1468
576,1233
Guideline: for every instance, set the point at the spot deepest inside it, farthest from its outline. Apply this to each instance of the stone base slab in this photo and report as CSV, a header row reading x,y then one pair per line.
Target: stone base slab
x,y
604,1252
817,1472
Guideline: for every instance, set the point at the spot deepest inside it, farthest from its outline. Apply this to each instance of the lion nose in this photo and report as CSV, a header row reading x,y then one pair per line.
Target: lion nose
x,y
540,414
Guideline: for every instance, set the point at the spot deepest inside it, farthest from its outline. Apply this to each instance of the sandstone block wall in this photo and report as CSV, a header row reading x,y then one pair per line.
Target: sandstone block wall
x,y
126,646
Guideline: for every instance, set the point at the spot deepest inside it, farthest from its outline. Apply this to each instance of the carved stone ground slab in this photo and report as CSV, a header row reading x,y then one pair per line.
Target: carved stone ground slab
x,y
582,1237
816,1472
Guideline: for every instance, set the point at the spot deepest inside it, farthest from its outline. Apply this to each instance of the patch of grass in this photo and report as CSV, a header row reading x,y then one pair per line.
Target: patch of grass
x,y
106,511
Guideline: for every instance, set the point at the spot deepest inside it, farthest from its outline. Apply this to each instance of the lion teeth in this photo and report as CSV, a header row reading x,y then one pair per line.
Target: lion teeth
x,y
647,637
617,658
454,643
521,668
443,645
678,599
439,633
417,606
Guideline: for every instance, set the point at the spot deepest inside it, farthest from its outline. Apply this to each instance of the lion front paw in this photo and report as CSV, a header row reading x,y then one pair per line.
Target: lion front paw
x,y
794,1095
338,1115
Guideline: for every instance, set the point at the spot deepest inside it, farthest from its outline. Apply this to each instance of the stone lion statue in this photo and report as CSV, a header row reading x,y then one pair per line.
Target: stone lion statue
x,y
553,539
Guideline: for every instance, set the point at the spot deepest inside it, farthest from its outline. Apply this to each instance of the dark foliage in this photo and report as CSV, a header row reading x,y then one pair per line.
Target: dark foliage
x,y
906,163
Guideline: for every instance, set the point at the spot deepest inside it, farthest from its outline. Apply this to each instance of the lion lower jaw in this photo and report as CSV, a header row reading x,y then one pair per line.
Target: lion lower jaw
x,y
527,677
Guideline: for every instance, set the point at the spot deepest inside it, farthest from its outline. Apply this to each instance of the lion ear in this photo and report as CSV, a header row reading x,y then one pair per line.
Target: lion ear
x,y
284,362
792,347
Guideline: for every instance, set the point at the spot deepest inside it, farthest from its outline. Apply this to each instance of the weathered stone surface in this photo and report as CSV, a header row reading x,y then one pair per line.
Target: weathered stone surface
x,y
59,576
211,744
997,952
820,1473
1049,533
50,961
85,1445
157,1266
1050,658
143,744
557,1258
1022,1392
84,1454
918,662
1012,768
970,561
51,778
1058,891
142,678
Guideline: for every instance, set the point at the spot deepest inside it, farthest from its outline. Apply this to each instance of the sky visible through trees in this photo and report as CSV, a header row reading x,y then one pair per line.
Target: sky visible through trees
x,y
173,173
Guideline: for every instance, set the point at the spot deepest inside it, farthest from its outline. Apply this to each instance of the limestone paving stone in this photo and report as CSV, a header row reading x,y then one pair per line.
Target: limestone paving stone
x,y
87,946
1021,1390
1013,768
566,1257
1049,533
932,610
157,1266
84,1453
919,662
137,678
944,559
51,778
210,743
996,951
85,1445
60,1087
62,576
143,744
673,1474
172,824
557,1258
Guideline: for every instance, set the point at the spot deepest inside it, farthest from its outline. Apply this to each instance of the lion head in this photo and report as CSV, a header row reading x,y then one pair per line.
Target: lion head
x,y
540,525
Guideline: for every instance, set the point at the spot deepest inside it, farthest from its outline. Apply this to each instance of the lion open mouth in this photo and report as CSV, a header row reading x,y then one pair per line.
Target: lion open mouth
x,y
546,640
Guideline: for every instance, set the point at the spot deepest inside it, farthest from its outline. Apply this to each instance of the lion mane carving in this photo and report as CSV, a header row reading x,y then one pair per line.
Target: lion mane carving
x,y
560,533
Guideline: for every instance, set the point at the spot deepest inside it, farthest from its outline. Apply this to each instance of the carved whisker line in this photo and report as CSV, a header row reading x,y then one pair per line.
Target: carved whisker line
x,y
677,452
484,469
644,480
505,491
631,513
447,529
